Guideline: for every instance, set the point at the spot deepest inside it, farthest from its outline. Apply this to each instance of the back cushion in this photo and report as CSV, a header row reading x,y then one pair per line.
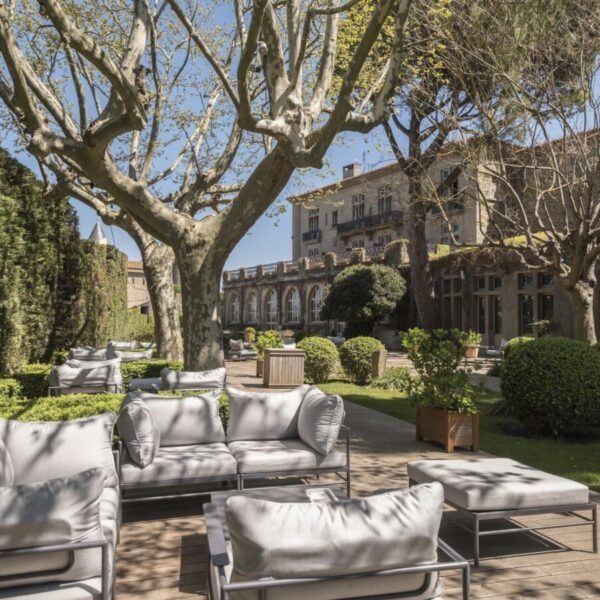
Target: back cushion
x,y
139,431
387,531
89,353
184,421
7,471
193,380
264,415
57,511
320,420
47,450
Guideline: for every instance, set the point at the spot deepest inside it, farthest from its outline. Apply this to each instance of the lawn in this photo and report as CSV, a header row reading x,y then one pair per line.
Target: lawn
x,y
500,436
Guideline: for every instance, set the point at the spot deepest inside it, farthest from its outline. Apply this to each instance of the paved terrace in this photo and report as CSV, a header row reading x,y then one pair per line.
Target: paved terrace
x,y
163,550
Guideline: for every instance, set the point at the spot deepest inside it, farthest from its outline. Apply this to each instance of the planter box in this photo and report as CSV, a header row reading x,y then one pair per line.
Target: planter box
x,y
283,368
448,428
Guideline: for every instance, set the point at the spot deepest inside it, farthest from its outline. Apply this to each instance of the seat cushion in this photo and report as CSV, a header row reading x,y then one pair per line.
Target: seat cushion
x,y
497,484
287,539
42,450
145,384
139,432
88,589
180,464
184,421
320,419
193,380
264,415
7,471
88,353
57,511
282,455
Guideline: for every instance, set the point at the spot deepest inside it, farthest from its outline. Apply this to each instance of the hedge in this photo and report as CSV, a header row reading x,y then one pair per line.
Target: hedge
x,y
552,386
147,368
321,358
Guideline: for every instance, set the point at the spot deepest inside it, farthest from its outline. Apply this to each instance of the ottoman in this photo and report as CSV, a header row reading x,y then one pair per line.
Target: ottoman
x,y
501,488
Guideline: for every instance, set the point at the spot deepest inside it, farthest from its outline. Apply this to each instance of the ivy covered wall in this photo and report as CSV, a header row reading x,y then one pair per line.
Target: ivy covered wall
x,y
56,291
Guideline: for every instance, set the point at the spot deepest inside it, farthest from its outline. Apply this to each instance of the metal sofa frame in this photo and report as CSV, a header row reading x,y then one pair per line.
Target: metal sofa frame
x,y
219,558
344,473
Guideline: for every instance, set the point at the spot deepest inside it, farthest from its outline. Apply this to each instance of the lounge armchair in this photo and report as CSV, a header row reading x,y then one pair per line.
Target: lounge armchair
x,y
59,509
133,355
497,351
86,377
89,353
175,444
237,349
380,547
172,380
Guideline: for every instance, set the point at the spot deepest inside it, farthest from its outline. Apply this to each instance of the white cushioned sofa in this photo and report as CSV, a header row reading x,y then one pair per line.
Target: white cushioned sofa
x,y
380,547
174,442
86,377
59,509
171,380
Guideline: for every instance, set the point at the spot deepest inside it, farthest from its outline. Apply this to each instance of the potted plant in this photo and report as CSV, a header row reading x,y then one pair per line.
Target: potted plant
x,y
446,411
472,341
249,335
267,339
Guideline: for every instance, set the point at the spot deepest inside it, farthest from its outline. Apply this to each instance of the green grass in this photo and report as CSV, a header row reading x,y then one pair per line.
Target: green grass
x,y
501,436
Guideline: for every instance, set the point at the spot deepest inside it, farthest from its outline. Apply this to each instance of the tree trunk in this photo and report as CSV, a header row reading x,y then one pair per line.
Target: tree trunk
x,y
158,269
201,308
418,254
582,301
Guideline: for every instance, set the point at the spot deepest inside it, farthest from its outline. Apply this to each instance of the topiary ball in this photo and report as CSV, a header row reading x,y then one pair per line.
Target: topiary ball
x,y
320,360
356,356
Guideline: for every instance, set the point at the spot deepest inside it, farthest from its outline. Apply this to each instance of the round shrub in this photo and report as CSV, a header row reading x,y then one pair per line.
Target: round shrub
x,y
356,356
320,358
514,342
552,386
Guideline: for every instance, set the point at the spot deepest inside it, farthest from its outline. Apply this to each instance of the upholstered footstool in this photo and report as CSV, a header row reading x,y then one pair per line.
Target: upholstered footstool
x,y
501,488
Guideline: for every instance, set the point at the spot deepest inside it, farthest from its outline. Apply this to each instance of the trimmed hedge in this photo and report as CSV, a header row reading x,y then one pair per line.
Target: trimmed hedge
x,y
356,356
33,379
321,357
514,342
147,368
552,386
10,388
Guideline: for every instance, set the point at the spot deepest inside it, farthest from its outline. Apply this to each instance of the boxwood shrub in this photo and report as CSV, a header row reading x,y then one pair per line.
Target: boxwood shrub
x,y
356,356
552,386
10,388
321,358
33,379
147,368
516,341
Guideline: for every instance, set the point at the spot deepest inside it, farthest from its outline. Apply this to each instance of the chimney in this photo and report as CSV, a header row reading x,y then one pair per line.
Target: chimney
x,y
351,170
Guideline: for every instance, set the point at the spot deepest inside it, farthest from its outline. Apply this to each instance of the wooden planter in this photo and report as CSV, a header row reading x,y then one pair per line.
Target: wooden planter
x,y
283,368
260,367
448,428
471,351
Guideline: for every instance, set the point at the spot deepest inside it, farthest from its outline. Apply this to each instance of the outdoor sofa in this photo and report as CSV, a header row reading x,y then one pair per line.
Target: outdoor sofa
x,y
381,547
172,380
59,509
86,377
489,489
238,349
113,350
171,444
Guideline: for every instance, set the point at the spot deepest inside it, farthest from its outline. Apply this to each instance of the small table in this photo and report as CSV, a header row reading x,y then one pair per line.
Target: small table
x,y
502,488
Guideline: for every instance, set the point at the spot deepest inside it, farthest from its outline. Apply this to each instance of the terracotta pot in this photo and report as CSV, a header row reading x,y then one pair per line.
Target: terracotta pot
x,y
471,351
448,428
260,365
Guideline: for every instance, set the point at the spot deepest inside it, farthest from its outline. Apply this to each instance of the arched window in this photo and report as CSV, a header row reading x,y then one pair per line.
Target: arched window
x,y
292,306
271,311
314,304
234,309
252,308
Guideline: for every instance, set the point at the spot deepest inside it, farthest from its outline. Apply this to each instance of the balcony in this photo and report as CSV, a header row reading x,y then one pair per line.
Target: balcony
x,y
312,237
370,222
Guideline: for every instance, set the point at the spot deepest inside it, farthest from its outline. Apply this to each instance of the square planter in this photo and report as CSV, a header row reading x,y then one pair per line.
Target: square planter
x,y
448,428
283,368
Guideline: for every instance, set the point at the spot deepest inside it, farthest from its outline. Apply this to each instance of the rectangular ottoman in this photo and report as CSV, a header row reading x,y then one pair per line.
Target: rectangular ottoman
x,y
500,488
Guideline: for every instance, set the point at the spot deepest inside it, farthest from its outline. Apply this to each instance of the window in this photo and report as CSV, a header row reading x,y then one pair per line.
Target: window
x,y
358,243
313,252
384,200
234,309
481,314
495,282
293,306
545,307
252,308
313,219
447,286
447,312
271,311
545,280
388,239
480,283
496,314
358,207
334,218
380,240
526,280
457,285
314,304
457,312
525,314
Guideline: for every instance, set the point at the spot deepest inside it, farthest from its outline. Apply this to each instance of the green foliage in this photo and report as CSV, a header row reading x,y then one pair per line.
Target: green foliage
x,y
552,386
436,357
496,370
60,357
361,295
472,338
9,389
516,341
321,358
33,379
138,328
138,369
394,378
250,334
267,339
356,356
